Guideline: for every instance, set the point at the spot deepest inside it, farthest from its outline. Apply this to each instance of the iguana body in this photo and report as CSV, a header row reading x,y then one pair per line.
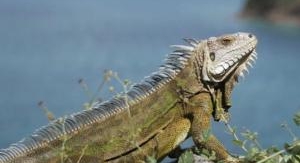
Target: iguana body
x,y
153,117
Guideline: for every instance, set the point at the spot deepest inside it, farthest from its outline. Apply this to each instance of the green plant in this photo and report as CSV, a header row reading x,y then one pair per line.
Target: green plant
x,y
290,153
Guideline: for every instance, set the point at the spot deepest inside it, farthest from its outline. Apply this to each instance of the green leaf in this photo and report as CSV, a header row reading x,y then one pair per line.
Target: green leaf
x,y
238,143
197,151
213,156
297,157
186,157
205,152
253,153
272,150
286,158
250,135
293,149
297,119
126,82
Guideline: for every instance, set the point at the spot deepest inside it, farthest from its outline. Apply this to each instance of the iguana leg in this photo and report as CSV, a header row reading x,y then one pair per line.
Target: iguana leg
x,y
201,109
174,134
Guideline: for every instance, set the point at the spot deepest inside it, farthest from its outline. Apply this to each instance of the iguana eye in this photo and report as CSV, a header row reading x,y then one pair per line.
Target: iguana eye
x,y
226,41
212,56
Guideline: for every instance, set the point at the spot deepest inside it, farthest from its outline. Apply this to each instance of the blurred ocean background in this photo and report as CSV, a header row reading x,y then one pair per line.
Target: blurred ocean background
x,y
46,46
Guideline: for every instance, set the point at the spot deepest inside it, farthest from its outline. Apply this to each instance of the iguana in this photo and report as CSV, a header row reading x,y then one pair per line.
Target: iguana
x,y
154,116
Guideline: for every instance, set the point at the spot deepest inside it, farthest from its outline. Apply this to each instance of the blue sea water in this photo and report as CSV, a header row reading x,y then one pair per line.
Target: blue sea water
x,y
46,46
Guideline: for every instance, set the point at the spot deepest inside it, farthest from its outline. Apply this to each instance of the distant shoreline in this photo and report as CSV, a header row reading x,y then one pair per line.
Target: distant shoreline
x,y
276,11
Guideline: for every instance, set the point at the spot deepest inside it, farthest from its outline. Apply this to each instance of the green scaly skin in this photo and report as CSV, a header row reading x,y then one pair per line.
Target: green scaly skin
x,y
157,124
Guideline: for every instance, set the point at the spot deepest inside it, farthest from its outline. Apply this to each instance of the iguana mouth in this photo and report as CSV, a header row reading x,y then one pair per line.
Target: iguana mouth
x,y
235,65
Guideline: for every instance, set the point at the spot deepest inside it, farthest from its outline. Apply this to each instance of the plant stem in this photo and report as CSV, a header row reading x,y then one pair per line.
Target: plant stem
x,y
125,95
235,136
277,153
92,100
271,156
233,133
257,144
82,153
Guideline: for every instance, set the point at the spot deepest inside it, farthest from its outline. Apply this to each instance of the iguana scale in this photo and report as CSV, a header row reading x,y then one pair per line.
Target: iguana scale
x,y
155,115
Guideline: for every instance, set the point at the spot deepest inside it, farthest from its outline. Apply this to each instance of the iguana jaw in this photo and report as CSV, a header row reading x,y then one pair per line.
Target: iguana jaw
x,y
220,73
228,55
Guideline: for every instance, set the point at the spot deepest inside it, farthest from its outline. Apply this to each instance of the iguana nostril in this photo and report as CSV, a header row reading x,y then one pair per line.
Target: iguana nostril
x,y
250,35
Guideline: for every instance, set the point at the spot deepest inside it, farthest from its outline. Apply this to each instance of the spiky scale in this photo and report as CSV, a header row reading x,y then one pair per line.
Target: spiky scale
x,y
254,54
183,47
191,41
242,75
249,64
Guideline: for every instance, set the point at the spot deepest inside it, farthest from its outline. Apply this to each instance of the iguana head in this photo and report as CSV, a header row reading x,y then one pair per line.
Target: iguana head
x,y
221,60
227,55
